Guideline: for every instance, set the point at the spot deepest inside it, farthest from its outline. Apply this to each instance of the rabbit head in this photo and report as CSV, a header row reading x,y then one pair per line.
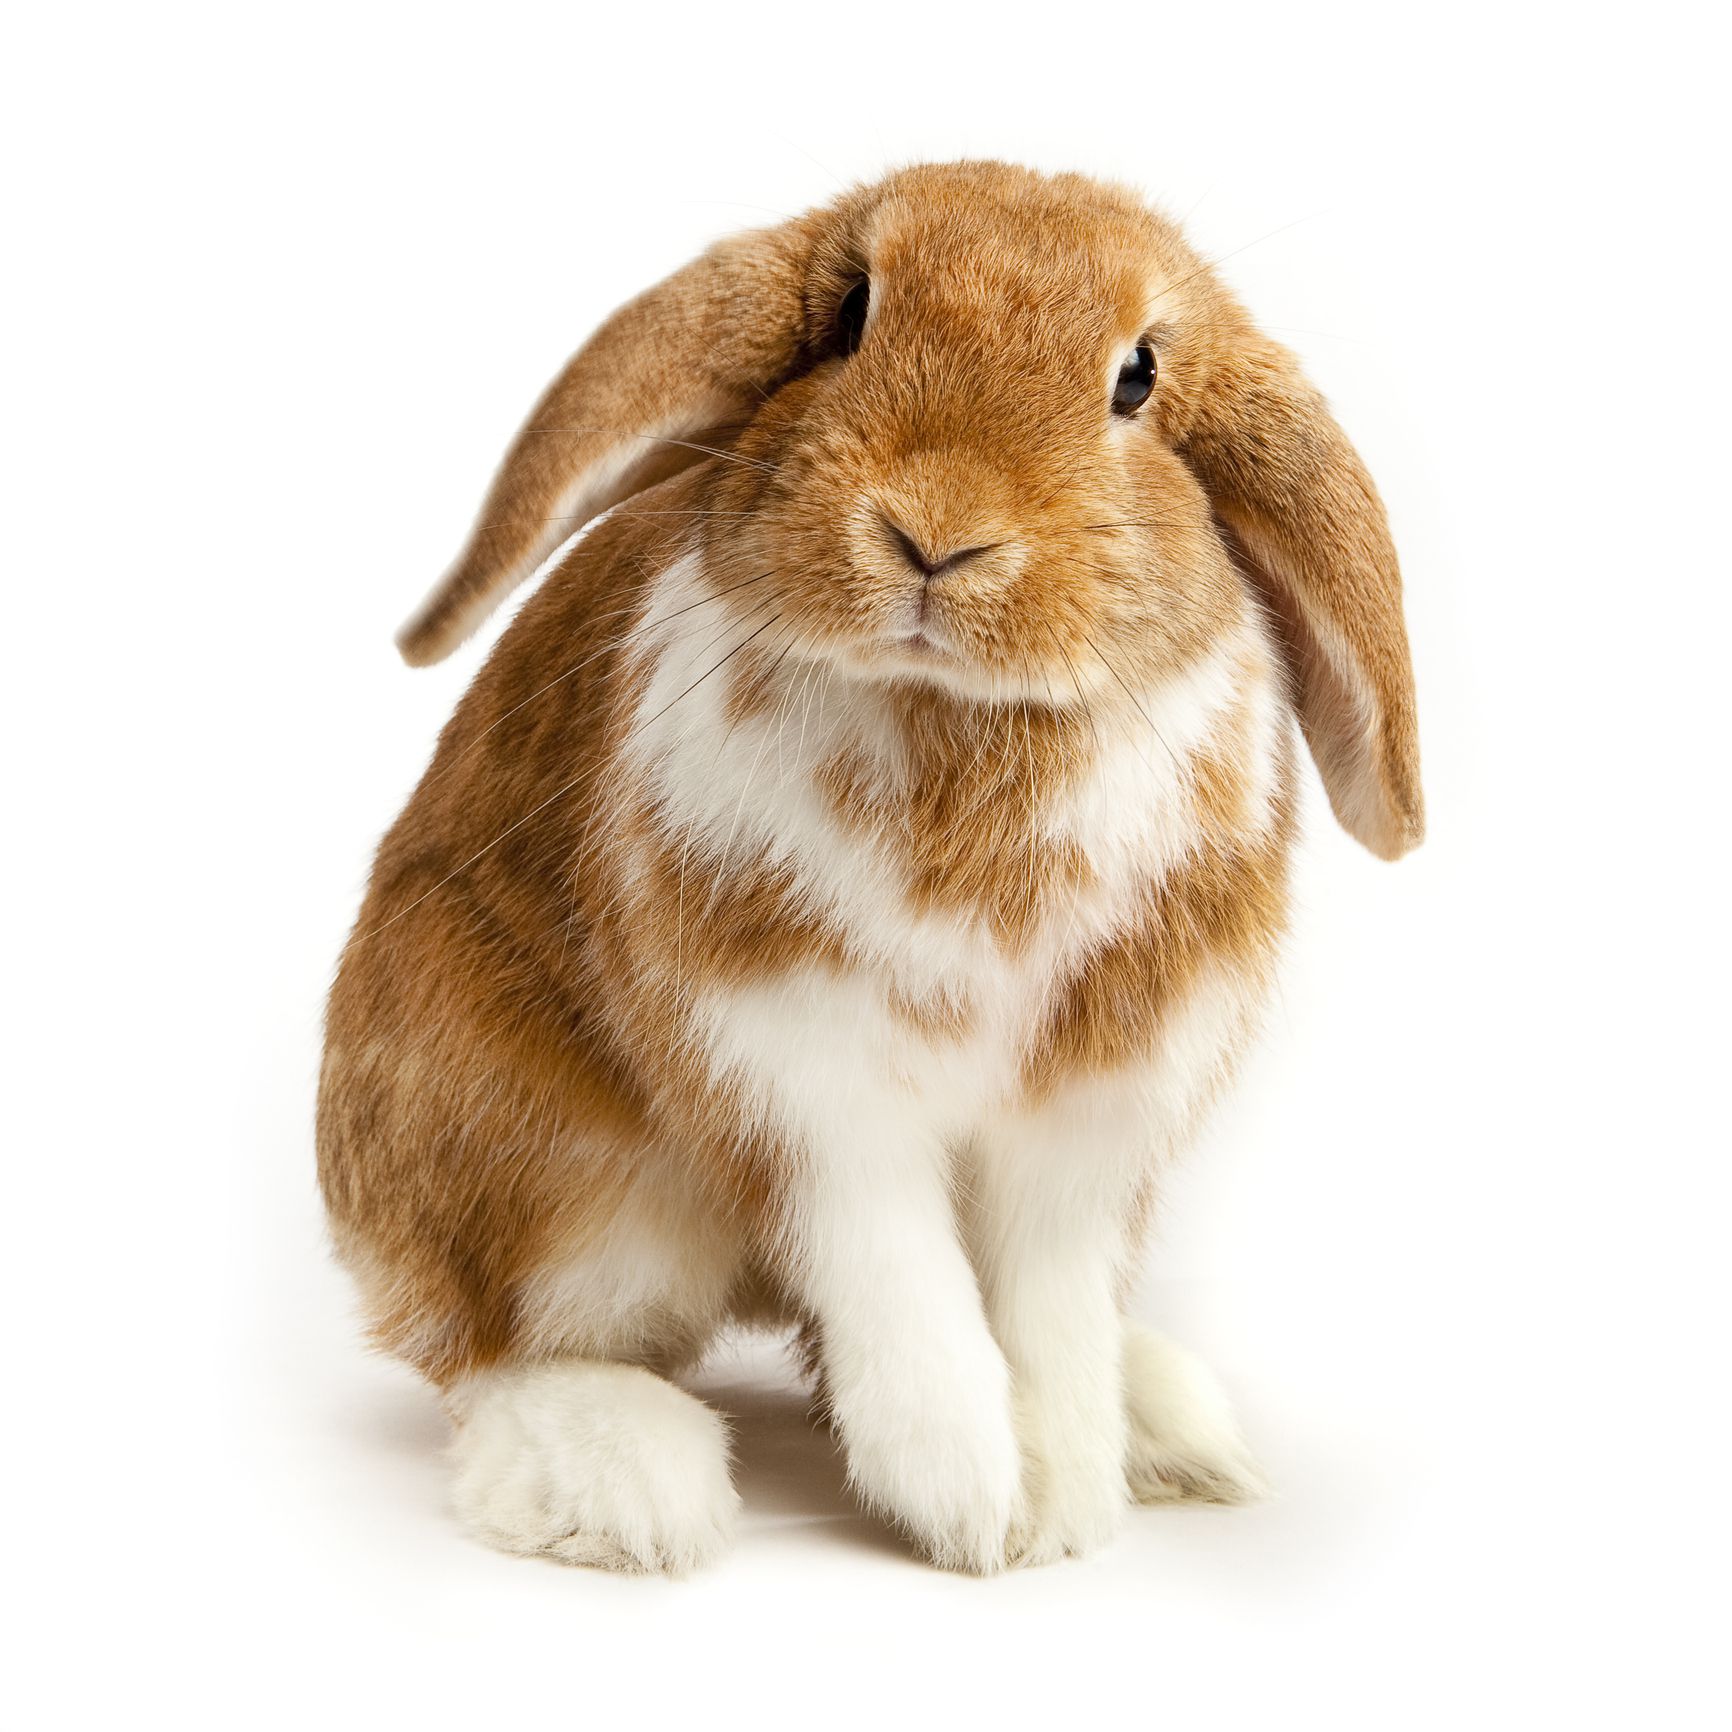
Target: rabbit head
x,y
991,430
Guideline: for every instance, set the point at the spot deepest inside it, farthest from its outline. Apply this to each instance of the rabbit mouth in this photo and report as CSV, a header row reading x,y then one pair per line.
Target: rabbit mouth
x,y
922,650
922,636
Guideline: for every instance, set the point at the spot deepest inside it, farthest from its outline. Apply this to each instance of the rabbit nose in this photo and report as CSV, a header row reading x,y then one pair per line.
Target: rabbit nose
x,y
930,564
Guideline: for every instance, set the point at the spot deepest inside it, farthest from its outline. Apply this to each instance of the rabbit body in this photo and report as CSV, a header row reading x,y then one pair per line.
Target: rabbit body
x,y
717,973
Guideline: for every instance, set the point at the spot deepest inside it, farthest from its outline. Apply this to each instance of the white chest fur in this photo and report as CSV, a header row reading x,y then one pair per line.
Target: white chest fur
x,y
817,1042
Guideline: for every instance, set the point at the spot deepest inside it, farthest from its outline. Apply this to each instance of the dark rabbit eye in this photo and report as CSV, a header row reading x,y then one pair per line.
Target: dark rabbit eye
x,y
1136,380
851,316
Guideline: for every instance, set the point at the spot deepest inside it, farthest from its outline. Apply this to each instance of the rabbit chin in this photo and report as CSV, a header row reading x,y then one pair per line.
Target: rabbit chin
x,y
930,656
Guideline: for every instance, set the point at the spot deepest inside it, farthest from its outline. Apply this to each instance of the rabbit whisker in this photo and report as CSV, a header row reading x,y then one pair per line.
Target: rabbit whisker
x,y
624,510
1209,264
614,643
1133,523
565,788
661,439
1141,710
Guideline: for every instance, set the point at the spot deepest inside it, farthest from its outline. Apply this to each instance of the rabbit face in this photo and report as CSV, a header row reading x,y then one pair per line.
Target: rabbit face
x,y
976,483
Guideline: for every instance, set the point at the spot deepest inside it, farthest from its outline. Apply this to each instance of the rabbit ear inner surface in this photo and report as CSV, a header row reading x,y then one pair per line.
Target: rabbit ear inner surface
x,y
631,407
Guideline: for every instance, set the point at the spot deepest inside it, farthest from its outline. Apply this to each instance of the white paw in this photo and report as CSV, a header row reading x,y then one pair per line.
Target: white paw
x,y
593,1464
931,1447
1074,1496
1070,1508
1185,1445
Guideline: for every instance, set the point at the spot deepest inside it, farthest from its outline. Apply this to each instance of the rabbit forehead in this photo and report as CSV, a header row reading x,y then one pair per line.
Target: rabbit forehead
x,y
1020,246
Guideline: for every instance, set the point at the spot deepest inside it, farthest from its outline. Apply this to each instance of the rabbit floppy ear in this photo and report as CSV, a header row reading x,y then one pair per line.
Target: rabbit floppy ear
x,y
1305,518
629,409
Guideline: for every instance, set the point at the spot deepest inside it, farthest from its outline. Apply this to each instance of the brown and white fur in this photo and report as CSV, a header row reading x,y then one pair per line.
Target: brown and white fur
x,y
787,933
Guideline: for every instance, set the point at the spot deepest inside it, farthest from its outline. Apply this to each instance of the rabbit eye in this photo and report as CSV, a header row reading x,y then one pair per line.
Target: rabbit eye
x,y
1136,380
851,316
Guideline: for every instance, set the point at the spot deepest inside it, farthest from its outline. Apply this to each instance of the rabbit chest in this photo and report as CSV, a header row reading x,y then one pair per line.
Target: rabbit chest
x,y
879,903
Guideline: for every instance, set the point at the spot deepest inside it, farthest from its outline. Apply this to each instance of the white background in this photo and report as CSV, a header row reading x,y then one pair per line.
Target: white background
x,y
283,279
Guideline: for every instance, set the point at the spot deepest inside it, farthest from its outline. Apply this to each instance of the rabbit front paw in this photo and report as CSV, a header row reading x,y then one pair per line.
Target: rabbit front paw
x,y
1075,1498
937,1455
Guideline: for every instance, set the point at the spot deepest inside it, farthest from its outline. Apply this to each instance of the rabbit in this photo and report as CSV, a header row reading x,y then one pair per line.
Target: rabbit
x,y
856,869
